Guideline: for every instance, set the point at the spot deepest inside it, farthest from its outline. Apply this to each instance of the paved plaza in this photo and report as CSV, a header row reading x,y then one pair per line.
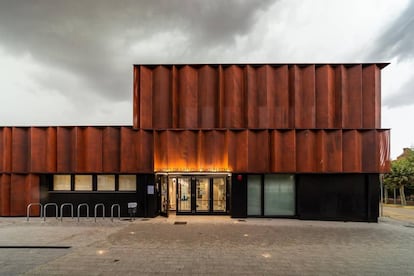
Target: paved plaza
x,y
206,245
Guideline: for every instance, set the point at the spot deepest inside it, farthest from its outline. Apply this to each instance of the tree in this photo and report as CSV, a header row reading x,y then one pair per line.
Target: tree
x,y
402,174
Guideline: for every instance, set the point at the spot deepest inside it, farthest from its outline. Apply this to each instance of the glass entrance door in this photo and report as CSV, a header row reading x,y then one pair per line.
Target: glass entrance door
x,y
219,194
198,194
164,197
184,195
203,195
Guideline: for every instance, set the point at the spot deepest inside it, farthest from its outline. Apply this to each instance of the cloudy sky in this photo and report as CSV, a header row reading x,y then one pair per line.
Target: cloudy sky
x,y
70,62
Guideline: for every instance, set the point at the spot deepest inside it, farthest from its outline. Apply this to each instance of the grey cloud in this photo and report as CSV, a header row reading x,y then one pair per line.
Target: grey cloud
x,y
404,96
397,41
90,39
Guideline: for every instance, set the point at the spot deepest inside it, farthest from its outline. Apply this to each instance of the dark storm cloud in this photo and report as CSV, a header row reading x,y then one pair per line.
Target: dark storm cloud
x,y
91,40
397,41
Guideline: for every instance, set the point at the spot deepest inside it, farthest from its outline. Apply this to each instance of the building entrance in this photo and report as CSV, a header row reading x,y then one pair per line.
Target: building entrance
x,y
194,194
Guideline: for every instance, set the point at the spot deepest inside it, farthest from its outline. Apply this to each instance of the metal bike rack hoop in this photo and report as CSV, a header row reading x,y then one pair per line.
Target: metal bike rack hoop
x,y
103,210
34,204
112,211
45,208
61,210
87,209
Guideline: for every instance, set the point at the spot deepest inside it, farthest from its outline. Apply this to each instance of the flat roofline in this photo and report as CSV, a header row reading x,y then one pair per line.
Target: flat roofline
x,y
379,64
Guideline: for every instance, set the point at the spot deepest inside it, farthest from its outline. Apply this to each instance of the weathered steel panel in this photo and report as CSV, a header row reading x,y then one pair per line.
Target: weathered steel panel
x,y
351,151
213,150
369,151
302,87
32,194
5,194
111,144
93,149
161,97
238,150
281,103
383,149
332,151
2,147
161,150
252,97
20,149
187,94
80,149
233,97
258,151
340,85
283,151
66,154
208,97
51,149
183,150
145,98
129,150
146,152
352,98
18,201
136,103
325,96
306,151
38,149
371,97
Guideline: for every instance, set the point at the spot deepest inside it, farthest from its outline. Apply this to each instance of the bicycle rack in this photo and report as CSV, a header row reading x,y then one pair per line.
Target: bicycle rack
x,y
87,209
45,208
34,204
61,210
112,211
103,210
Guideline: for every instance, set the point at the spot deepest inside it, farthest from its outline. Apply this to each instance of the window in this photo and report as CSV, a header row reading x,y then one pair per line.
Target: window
x,y
83,182
127,182
61,182
106,182
94,182
271,195
279,195
254,195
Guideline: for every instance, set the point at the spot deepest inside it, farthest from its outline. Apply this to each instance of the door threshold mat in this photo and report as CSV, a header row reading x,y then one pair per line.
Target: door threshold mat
x,y
34,247
180,222
241,220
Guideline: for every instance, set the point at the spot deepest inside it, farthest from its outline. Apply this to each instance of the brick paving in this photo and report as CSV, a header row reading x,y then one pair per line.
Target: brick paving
x,y
207,246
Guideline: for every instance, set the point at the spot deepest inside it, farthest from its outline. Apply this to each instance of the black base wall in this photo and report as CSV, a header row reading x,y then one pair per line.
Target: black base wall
x,y
238,198
342,197
147,203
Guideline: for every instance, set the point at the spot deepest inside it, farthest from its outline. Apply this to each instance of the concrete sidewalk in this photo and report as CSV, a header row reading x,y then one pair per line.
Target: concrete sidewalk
x,y
206,245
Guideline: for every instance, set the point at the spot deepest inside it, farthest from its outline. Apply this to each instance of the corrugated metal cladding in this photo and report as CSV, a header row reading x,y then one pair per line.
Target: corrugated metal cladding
x,y
125,150
264,117
278,96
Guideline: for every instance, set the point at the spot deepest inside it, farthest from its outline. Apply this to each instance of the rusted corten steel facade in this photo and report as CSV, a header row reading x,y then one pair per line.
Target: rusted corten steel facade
x,y
266,118
320,123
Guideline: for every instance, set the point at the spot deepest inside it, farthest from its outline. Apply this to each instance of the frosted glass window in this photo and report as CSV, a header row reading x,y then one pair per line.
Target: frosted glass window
x,y
106,183
127,182
83,182
254,198
61,182
279,195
